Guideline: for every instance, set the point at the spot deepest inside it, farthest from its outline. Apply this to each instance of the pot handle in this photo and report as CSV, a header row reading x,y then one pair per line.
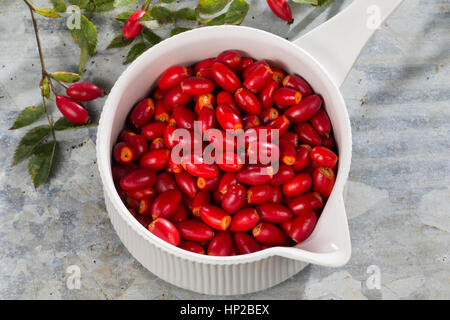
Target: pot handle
x,y
337,43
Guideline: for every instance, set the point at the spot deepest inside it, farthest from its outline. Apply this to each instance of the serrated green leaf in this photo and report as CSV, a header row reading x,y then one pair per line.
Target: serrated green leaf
x,y
64,124
83,4
59,5
151,37
118,42
178,30
99,6
64,76
209,7
29,142
47,12
27,116
162,14
124,3
186,14
237,12
40,163
86,39
135,52
123,16
45,87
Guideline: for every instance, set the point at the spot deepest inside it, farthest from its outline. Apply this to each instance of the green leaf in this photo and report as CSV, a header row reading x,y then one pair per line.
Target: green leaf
x,y
118,42
209,7
29,142
236,12
27,116
124,3
97,6
40,163
317,3
45,87
178,30
185,14
166,1
151,37
86,39
161,14
63,76
59,5
135,52
153,24
123,16
47,12
64,124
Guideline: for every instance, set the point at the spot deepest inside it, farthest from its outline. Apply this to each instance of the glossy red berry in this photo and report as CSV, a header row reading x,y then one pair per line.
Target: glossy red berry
x,y
215,217
323,181
186,183
155,160
244,220
166,203
306,201
84,91
227,119
221,244
305,110
132,28
192,247
172,77
197,86
245,243
302,226
298,84
259,194
258,79
281,9
269,234
231,59
274,213
197,167
300,184
285,97
193,230
324,157
247,101
234,198
164,229
72,110
138,180
123,153
225,77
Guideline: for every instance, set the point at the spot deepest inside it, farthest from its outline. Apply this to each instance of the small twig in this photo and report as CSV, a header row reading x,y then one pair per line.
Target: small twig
x,y
44,72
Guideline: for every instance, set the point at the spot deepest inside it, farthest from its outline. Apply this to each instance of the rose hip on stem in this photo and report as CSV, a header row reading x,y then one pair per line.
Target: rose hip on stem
x,y
84,91
72,110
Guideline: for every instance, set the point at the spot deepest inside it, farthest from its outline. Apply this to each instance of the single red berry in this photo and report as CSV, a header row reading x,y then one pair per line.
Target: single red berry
x,y
324,157
298,84
164,229
166,204
123,153
84,91
172,77
132,28
225,77
72,110
221,244
138,180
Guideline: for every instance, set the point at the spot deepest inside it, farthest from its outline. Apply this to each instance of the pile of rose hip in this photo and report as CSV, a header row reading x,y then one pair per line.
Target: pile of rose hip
x,y
234,207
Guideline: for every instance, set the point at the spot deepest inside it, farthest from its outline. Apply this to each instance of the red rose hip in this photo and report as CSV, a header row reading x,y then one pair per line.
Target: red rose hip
x,y
164,229
84,91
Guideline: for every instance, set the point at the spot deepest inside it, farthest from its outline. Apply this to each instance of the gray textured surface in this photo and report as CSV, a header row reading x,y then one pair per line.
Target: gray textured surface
x,y
397,197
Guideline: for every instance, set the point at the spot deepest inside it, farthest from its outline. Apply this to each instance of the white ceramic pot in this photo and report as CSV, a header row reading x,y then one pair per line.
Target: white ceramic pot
x,y
323,57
